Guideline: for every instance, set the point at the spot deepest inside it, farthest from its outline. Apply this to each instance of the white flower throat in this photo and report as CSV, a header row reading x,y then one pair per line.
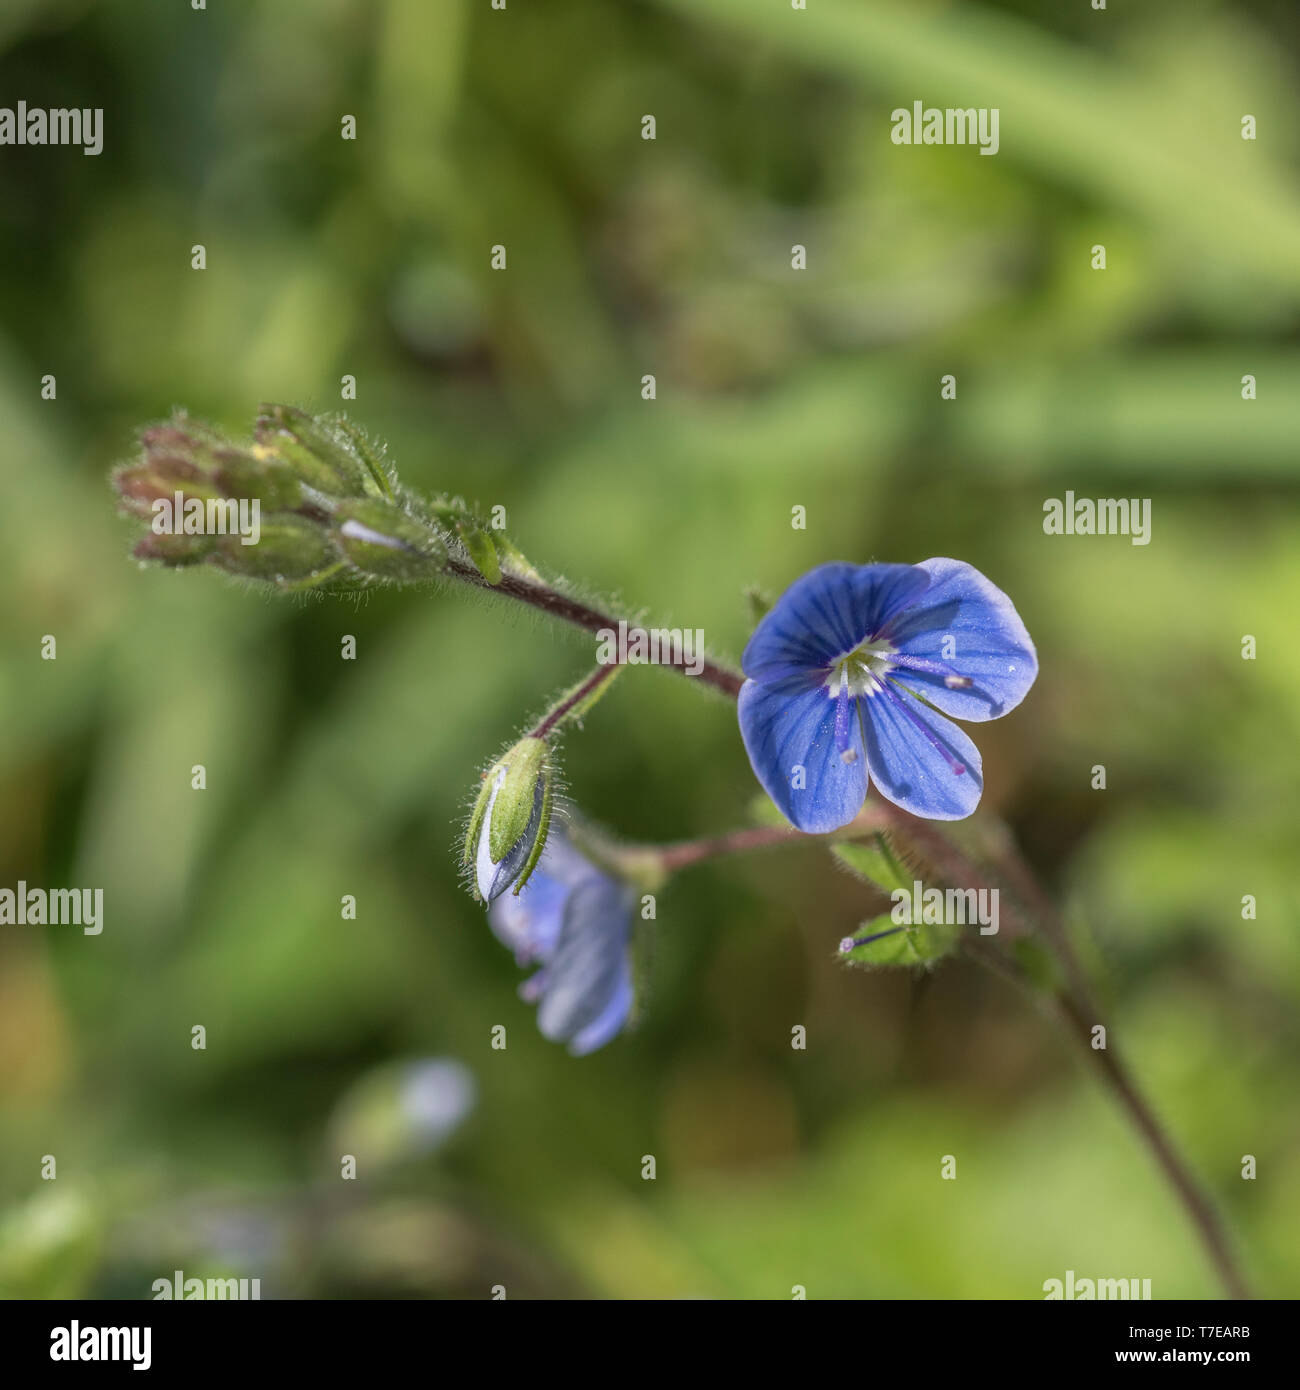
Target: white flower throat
x,y
862,671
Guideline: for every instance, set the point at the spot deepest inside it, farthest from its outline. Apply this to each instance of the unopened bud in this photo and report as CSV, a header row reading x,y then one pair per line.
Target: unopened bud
x,y
508,828
290,550
140,485
479,544
381,540
176,550
323,456
481,550
275,485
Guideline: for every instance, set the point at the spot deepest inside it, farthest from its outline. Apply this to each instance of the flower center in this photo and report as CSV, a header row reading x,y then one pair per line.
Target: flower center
x,y
861,672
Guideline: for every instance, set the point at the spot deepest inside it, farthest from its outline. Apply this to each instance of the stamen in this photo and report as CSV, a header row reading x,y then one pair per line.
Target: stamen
x,y
926,732
951,678
842,712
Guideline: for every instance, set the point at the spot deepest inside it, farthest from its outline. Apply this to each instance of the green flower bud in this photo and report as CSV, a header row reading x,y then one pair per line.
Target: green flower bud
x,y
381,540
190,459
140,485
372,459
290,550
481,550
508,827
514,559
322,455
174,550
480,545
275,485
183,438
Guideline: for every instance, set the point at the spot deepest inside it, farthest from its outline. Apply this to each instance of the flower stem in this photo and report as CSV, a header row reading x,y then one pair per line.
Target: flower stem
x,y
537,594
576,699
687,853
1195,1202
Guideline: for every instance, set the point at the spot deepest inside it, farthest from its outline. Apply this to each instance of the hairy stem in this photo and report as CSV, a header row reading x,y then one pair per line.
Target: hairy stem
x,y
690,852
1080,1022
546,599
580,693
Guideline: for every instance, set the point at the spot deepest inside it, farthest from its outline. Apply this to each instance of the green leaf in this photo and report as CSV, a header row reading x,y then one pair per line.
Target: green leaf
x,y
874,861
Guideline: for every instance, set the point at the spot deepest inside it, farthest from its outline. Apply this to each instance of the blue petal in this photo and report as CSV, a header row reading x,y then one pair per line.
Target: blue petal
x,y
564,862
611,1021
990,644
588,986
827,613
791,725
529,923
907,767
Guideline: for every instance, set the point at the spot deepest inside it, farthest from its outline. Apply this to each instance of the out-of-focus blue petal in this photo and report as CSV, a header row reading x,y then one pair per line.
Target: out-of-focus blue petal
x,y
529,924
791,725
589,974
531,989
990,644
529,921
826,613
436,1095
597,1033
906,765
562,861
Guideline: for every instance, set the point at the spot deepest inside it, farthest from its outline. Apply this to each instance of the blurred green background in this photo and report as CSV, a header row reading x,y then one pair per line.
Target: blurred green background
x,y
776,388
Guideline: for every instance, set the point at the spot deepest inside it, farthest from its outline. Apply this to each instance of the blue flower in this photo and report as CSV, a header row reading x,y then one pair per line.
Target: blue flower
x,y
575,922
851,674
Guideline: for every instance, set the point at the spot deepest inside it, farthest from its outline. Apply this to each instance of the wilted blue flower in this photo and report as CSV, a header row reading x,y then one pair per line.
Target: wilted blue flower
x,y
847,677
575,922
